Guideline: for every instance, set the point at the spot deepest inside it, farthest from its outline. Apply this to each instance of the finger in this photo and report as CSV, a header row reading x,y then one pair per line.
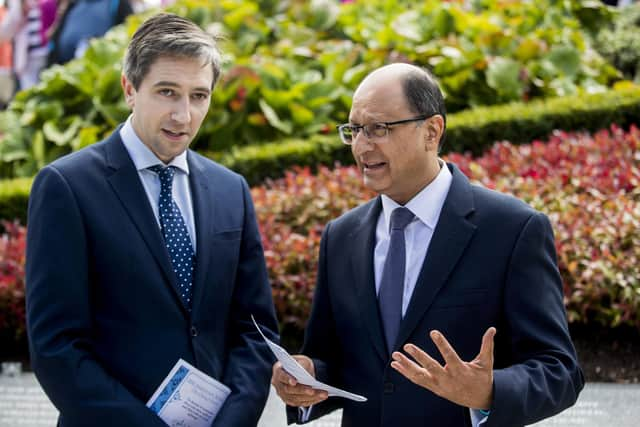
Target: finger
x,y
296,395
275,372
301,393
316,396
300,390
309,400
485,357
409,366
446,350
411,370
305,362
281,376
426,361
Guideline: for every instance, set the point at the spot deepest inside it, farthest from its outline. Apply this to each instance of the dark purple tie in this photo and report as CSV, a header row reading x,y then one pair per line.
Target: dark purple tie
x,y
392,281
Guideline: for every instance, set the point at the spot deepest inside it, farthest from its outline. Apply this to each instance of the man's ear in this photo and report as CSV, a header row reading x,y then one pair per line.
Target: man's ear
x,y
434,128
129,91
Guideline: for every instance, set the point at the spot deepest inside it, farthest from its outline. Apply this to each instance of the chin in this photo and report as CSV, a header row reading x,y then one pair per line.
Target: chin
x,y
377,188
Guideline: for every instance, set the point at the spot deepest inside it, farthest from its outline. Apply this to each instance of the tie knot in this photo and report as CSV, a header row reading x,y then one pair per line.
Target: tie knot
x,y
400,218
165,173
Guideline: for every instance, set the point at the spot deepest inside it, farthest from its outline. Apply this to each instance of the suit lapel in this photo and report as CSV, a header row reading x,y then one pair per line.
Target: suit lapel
x,y
204,212
125,182
362,262
450,238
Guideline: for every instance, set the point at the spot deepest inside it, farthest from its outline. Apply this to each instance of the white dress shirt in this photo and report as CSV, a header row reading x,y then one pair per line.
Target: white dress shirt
x,y
143,158
426,206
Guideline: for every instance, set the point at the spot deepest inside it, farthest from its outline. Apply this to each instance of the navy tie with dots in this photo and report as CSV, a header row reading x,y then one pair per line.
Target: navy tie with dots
x,y
392,281
176,235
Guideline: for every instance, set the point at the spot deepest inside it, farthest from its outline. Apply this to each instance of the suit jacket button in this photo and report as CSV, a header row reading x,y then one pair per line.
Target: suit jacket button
x,y
389,387
194,331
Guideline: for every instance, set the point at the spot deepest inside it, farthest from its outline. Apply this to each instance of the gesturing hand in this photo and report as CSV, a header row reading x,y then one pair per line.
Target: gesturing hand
x,y
290,391
468,384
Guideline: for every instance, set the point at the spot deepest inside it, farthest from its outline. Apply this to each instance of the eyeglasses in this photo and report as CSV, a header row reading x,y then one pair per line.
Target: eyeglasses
x,y
378,131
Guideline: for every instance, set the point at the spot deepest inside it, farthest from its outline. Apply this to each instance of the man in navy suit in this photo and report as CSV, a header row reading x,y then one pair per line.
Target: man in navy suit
x,y
141,252
439,301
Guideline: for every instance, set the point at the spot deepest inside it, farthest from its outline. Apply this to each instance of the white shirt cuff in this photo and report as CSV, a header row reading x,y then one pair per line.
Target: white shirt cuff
x,y
304,413
478,418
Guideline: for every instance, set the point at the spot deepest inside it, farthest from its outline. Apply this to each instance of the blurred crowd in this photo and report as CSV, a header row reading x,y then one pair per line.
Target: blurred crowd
x,y
35,34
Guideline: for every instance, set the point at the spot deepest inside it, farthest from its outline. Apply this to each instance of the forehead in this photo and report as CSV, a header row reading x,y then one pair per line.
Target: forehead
x,y
180,71
378,99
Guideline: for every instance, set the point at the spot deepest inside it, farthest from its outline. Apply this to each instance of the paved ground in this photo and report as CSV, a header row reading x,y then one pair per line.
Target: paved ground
x,y
22,403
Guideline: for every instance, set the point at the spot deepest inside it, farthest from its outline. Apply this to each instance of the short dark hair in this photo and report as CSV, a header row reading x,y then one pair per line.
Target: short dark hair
x,y
423,95
167,35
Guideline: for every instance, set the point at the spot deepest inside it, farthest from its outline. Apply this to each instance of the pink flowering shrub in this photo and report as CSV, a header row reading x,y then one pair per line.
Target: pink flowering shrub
x,y
12,309
588,185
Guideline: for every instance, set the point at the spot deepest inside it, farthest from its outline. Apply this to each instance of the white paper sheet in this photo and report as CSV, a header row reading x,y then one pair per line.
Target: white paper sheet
x,y
301,375
188,397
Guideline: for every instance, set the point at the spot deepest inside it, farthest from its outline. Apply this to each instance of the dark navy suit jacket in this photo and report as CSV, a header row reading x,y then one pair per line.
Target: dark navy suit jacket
x,y
105,320
491,262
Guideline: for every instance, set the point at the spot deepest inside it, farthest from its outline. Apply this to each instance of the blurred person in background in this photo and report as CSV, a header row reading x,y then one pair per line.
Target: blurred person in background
x,y
7,83
78,21
27,23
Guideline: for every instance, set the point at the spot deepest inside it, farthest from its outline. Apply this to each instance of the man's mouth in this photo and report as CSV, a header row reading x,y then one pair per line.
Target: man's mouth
x,y
372,166
174,134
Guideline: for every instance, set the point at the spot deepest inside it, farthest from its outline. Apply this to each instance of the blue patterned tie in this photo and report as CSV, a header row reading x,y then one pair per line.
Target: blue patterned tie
x,y
176,235
392,281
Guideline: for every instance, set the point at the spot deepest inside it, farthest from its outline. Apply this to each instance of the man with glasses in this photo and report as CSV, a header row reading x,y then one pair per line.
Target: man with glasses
x,y
439,301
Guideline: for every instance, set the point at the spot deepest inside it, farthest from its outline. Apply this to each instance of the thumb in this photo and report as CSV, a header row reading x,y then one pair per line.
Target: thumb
x,y
485,357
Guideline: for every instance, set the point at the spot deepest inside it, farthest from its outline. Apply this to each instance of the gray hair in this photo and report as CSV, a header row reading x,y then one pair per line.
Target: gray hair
x,y
167,35
423,94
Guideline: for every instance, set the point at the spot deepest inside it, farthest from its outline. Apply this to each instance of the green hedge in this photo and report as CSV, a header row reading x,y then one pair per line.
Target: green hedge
x,y
477,129
14,195
472,131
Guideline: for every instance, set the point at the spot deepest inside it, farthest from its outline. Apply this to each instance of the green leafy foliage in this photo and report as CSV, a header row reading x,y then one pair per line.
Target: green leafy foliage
x,y
620,42
291,67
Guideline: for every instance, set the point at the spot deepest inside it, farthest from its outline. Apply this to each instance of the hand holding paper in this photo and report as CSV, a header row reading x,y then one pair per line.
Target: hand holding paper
x,y
302,376
291,391
188,397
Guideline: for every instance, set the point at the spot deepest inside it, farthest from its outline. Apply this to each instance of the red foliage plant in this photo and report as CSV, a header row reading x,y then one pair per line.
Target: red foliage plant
x,y
12,256
586,184
292,212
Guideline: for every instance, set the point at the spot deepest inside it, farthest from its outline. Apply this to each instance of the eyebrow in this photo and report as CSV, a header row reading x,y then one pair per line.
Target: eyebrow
x,y
164,83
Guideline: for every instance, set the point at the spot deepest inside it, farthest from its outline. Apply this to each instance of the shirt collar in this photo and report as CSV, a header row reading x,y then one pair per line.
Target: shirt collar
x,y
142,156
427,204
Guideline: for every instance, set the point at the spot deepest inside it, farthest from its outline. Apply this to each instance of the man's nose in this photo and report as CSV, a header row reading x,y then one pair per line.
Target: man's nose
x,y
361,143
182,111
